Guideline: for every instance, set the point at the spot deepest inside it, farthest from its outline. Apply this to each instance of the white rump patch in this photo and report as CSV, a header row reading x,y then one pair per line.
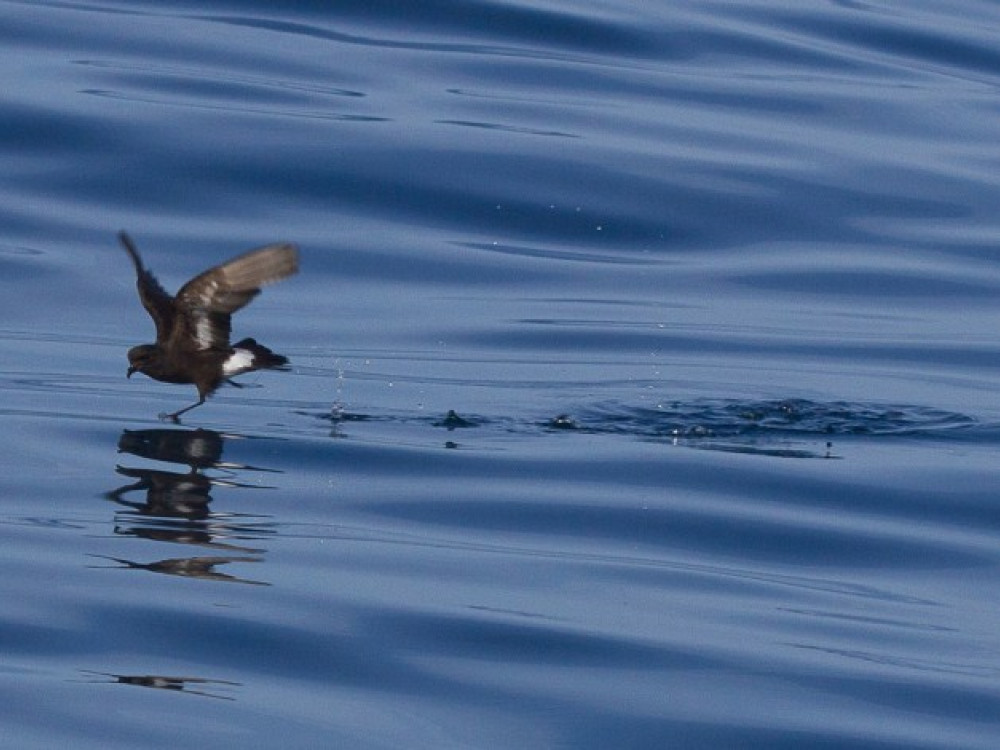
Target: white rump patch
x,y
239,361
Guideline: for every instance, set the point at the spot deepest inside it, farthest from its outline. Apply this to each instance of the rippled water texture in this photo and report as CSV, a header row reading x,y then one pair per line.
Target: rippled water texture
x,y
643,388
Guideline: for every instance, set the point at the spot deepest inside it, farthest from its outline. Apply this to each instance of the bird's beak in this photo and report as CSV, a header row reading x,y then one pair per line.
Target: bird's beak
x,y
130,371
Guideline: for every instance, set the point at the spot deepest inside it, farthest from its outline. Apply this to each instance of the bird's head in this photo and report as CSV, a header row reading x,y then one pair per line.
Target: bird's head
x,y
140,358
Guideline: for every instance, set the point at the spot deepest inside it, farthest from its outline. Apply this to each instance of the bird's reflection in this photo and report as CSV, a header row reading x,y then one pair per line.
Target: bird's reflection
x,y
175,506
168,494
191,685
190,567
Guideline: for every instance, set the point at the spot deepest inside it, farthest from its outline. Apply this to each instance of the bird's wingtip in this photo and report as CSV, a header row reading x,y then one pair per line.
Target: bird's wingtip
x,y
130,248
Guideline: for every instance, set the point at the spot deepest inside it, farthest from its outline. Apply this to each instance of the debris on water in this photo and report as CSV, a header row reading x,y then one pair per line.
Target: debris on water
x,y
453,421
563,422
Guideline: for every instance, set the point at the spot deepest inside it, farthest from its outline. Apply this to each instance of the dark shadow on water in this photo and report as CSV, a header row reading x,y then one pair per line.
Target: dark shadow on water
x,y
781,428
783,418
176,506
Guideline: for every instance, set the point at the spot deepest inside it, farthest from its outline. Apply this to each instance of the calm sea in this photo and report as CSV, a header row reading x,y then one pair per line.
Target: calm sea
x,y
645,386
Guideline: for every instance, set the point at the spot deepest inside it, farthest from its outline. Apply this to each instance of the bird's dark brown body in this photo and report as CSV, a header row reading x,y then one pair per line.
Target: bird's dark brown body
x,y
193,327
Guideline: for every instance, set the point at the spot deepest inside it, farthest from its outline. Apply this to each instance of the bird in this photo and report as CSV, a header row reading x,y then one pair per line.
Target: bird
x,y
193,327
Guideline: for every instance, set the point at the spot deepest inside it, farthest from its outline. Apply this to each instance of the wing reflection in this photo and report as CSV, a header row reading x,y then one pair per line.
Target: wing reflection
x,y
191,685
191,567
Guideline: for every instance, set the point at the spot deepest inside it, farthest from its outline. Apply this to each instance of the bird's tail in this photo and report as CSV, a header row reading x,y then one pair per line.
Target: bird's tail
x,y
261,358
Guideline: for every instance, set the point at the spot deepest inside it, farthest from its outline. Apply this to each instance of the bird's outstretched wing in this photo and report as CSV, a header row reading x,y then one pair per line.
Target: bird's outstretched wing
x,y
154,298
206,302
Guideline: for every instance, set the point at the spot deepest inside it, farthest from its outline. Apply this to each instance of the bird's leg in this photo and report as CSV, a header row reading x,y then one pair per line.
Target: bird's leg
x,y
175,417
234,384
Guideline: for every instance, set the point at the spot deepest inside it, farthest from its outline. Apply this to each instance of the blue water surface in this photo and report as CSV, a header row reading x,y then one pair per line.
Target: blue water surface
x,y
643,391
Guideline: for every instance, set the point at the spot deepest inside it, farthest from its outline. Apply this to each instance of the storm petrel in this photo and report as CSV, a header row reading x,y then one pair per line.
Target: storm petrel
x,y
192,328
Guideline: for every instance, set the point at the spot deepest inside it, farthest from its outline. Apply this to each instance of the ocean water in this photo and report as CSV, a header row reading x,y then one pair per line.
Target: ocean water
x,y
644,385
